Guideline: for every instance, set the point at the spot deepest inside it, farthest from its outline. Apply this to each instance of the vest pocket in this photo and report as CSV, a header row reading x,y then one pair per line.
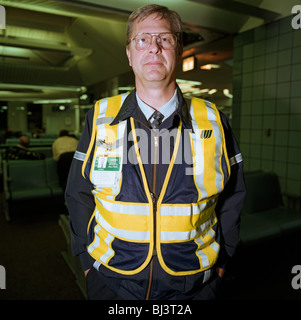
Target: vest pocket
x,y
128,255
180,256
113,252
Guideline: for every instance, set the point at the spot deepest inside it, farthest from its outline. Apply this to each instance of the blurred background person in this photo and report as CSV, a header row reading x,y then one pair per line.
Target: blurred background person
x,y
21,151
63,150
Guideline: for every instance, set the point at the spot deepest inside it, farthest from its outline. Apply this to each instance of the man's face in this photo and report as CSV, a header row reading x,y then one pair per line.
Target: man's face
x,y
154,65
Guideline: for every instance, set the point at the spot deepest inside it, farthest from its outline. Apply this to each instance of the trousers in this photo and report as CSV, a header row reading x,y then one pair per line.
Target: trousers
x,y
98,290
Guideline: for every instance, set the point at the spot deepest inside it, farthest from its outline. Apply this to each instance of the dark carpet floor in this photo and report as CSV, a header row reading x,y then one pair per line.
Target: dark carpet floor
x,y
30,250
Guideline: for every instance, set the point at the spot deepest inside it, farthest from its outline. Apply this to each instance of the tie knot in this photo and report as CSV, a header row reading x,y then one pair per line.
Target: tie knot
x,y
155,119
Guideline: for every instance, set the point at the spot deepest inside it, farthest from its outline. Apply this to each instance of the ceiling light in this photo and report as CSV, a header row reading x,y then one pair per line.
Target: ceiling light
x,y
128,88
212,91
188,64
83,96
204,90
52,101
26,86
189,82
227,93
210,66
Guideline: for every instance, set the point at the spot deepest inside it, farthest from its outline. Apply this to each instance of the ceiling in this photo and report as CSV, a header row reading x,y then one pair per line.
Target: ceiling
x,y
58,49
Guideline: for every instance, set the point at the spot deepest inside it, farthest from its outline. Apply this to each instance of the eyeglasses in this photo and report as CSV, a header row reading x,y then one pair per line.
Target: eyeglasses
x,y
166,40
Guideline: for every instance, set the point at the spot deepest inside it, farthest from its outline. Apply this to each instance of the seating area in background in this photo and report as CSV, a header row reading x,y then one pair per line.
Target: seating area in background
x,y
37,181
28,180
33,142
44,139
264,216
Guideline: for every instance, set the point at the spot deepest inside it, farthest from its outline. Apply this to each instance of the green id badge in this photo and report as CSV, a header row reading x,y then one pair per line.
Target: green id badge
x,y
107,163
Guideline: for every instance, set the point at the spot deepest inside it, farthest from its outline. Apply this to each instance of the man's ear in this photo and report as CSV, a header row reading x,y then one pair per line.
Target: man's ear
x,y
180,52
128,55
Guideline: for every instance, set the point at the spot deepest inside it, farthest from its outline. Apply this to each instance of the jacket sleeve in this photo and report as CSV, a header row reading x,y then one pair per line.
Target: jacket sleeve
x,y
79,199
231,200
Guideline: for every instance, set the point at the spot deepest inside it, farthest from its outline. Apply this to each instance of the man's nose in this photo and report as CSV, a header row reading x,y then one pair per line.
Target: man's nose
x,y
155,46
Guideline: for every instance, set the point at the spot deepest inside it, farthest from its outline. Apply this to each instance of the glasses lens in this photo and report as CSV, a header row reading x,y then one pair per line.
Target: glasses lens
x,y
143,41
167,40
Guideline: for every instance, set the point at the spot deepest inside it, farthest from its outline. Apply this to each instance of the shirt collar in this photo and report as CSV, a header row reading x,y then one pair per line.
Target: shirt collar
x,y
130,105
167,109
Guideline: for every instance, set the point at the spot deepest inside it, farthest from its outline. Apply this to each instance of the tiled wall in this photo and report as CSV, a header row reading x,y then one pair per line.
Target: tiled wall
x,y
267,101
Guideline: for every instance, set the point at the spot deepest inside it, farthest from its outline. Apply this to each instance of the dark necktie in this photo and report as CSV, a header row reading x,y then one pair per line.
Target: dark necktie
x,y
155,119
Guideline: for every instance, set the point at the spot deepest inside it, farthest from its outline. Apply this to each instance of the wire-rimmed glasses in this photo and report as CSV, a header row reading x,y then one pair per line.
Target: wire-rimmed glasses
x,y
166,40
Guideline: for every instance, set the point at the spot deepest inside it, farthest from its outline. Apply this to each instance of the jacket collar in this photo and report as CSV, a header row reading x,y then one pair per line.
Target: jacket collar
x,y
130,105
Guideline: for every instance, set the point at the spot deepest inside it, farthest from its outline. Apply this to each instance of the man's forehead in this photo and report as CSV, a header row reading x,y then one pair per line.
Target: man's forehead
x,y
152,21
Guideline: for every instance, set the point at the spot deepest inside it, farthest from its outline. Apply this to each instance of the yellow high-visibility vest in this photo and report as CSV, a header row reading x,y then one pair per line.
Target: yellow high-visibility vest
x,y
126,228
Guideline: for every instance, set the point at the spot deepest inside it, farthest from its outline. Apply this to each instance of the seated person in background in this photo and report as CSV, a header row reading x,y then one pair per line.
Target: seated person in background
x,y
63,150
63,144
21,151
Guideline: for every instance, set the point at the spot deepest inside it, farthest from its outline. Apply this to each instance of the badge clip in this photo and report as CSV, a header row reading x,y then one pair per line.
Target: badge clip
x,y
108,145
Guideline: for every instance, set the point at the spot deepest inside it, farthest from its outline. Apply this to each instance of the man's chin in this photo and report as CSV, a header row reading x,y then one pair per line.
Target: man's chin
x,y
155,76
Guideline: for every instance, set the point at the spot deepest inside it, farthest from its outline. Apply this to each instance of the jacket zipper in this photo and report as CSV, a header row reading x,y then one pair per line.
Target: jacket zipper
x,y
154,199
154,189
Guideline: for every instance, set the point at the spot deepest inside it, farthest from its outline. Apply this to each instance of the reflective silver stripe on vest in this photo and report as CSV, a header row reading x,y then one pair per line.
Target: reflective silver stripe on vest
x,y
199,158
96,264
96,244
207,275
236,159
125,234
104,258
218,143
79,156
167,210
204,258
192,234
201,254
103,107
138,209
104,120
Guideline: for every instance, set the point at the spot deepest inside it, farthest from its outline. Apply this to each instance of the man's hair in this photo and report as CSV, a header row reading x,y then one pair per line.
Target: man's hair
x,y
162,12
63,133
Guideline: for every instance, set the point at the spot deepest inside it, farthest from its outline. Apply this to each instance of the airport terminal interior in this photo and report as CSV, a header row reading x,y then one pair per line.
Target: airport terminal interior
x,y
58,57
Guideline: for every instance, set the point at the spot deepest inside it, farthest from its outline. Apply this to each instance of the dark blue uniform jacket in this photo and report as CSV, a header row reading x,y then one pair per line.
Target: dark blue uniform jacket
x,y
80,203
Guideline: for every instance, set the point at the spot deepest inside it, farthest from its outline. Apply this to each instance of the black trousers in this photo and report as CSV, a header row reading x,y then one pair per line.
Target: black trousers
x,y
97,290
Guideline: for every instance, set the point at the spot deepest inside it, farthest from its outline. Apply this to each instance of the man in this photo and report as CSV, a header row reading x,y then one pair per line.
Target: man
x,y
150,225
21,151
63,144
63,149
